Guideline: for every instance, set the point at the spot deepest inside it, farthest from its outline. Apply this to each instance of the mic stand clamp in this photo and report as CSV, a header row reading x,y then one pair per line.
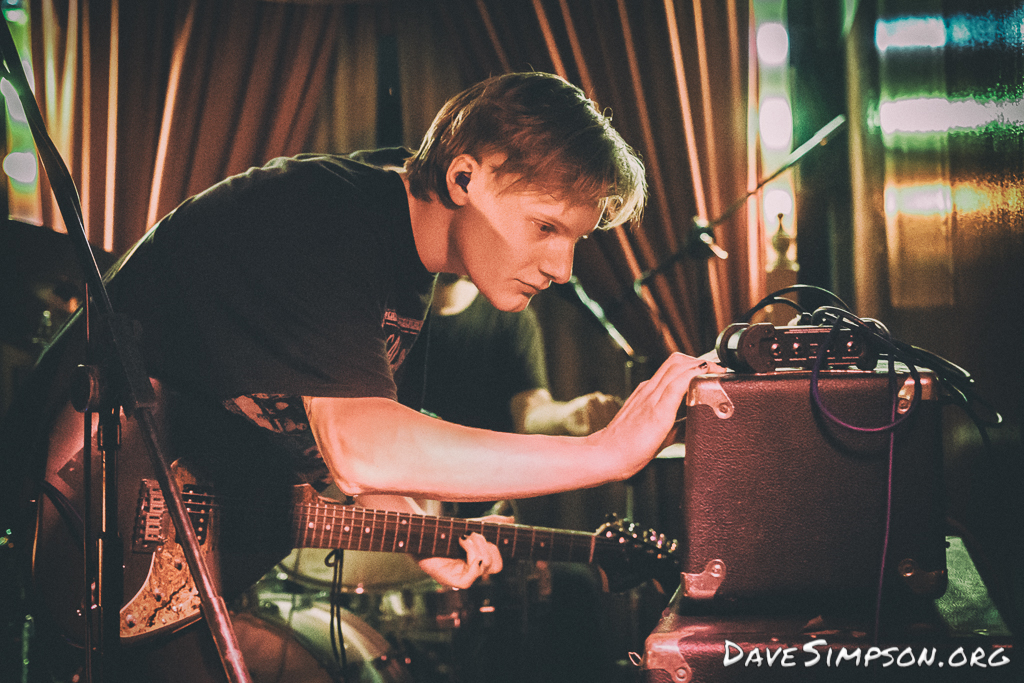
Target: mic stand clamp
x,y
700,246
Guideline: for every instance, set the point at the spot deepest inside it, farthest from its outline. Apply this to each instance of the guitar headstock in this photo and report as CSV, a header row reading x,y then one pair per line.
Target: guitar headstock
x,y
629,555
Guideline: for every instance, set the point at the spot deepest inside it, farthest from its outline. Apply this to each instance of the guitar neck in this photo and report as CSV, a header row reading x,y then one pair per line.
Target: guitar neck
x,y
332,525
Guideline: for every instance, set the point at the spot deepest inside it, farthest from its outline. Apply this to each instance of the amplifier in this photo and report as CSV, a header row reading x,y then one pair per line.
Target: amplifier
x,y
964,638
782,505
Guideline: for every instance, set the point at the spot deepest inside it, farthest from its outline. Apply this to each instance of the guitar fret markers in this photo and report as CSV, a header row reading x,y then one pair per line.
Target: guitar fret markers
x,y
326,525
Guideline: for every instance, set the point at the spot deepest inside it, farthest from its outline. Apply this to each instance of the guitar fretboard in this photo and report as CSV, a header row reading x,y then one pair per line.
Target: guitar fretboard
x,y
329,525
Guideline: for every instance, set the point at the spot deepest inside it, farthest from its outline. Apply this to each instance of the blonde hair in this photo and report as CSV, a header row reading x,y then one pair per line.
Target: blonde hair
x,y
553,138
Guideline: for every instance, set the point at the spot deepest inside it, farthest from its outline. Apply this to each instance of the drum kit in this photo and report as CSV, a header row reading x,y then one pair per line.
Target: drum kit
x,y
400,625
397,623
286,638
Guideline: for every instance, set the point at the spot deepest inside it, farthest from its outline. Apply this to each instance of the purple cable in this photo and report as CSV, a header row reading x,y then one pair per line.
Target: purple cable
x,y
891,428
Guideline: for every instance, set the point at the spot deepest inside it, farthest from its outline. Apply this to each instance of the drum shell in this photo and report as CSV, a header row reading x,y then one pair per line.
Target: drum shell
x,y
284,639
362,571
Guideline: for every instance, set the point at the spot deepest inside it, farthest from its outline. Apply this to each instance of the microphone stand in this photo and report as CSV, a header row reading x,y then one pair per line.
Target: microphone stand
x,y
702,239
114,380
629,485
598,312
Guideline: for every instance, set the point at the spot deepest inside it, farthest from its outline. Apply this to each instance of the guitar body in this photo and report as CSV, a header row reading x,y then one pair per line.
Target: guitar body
x,y
239,542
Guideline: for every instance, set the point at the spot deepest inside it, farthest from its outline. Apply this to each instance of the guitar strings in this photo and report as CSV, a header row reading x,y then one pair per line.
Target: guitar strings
x,y
387,523
390,520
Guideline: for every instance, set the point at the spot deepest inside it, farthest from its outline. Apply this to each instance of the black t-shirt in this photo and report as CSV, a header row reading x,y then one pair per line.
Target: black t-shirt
x,y
299,278
466,367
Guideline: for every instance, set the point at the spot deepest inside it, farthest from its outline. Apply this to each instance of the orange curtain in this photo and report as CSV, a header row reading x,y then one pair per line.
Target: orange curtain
x,y
674,74
151,102
427,75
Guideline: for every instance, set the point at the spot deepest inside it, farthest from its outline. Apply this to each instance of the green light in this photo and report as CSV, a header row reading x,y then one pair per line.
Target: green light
x,y
16,16
910,33
985,31
918,200
772,43
776,123
777,202
972,200
14,108
21,167
937,114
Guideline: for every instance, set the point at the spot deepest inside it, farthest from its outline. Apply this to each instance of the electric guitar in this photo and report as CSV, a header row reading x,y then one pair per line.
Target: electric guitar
x,y
246,529
168,600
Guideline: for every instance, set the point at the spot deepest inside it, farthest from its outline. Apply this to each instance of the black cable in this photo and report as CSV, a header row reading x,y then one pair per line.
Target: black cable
x,y
775,297
769,300
880,339
955,380
336,559
957,383
882,335
888,503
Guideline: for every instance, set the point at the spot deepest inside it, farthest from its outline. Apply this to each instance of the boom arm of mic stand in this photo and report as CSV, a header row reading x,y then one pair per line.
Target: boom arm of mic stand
x,y
133,386
598,312
703,227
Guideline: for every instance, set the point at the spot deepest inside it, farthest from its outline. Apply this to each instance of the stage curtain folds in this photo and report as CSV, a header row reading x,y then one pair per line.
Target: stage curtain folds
x,y
673,74
152,102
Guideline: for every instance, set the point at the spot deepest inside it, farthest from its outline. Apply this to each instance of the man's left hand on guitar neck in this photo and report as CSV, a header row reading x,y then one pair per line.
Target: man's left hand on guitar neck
x,y
482,556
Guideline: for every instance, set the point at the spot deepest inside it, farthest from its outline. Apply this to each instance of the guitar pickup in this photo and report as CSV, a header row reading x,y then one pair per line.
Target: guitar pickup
x,y
197,504
153,522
